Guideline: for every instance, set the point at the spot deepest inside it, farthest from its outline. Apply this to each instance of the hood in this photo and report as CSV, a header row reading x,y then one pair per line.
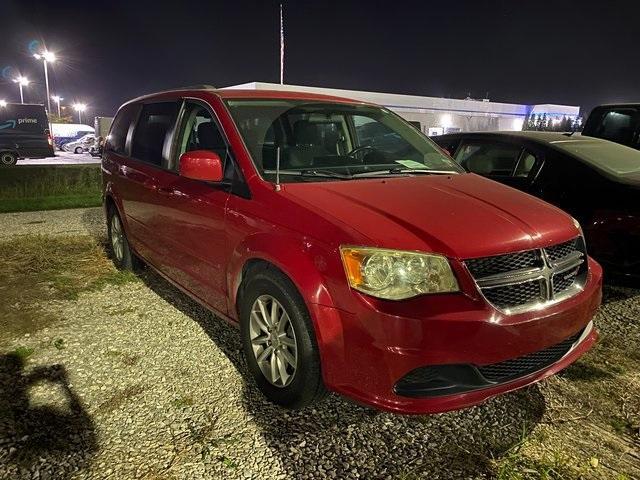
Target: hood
x,y
461,216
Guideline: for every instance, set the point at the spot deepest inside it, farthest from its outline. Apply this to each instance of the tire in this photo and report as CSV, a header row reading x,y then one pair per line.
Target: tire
x,y
121,253
77,150
8,159
304,384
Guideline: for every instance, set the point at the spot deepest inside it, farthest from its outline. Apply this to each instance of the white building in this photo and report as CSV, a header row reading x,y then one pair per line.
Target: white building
x,y
440,115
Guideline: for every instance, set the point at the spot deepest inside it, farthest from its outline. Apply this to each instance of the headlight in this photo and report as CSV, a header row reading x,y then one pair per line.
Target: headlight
x,y
396,274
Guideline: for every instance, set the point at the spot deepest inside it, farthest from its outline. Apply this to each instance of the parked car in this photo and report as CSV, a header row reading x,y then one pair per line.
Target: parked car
x,y
617,123
64,133
596,181
83,144
24,133
386,274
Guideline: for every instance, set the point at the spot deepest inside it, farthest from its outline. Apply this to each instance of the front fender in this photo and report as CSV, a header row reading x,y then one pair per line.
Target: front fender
x,y
304,261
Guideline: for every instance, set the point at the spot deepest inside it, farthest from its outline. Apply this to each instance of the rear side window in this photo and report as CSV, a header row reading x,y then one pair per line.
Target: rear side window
x,y
620,126
155,124
117,138
493,159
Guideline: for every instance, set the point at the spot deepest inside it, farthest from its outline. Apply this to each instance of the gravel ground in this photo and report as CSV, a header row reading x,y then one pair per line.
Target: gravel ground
x,y
81,221
138,381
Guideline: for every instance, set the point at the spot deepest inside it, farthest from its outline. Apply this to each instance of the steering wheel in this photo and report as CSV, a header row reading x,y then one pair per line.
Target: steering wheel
x,y
361,148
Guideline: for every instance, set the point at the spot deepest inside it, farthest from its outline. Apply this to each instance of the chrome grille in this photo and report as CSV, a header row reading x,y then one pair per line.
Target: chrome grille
x,y
561,250
482,267
523,280
564,281
513,295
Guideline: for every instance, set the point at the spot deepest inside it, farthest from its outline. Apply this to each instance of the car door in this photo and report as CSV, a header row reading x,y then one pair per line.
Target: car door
x,y
189,215
505,162
138,176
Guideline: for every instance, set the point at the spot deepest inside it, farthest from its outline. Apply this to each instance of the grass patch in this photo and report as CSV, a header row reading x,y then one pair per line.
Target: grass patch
x,y
128,359
554,465
50,203
30,188
23,352
120,398
37,268
183,402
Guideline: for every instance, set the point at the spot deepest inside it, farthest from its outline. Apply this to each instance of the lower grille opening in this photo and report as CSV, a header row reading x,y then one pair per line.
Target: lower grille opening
x,y
527,364
439,380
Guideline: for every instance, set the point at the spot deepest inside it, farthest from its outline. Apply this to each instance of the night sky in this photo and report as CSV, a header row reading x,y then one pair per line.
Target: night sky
x,y
578,53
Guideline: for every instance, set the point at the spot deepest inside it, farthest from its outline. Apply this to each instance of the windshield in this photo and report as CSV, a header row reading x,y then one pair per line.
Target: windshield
x,y
333,141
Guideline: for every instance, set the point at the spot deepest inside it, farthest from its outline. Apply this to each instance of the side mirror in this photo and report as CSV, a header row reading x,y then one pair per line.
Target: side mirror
x,y
201,165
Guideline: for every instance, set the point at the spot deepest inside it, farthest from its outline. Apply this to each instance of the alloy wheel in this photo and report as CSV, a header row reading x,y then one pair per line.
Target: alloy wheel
x,y
273,341
117,238
7,159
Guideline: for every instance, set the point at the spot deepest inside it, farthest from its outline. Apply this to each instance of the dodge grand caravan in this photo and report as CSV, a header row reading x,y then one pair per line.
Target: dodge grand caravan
x,y
354,255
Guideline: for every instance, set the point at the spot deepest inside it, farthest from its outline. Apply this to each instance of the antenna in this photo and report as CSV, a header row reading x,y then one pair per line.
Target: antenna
x,y
277,169
281,47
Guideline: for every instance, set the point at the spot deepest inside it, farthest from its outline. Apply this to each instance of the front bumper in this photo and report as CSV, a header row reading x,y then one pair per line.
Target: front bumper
x,y
366,352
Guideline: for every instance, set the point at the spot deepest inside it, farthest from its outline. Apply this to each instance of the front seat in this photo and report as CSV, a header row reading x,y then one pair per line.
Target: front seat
x,y
309,145
480,164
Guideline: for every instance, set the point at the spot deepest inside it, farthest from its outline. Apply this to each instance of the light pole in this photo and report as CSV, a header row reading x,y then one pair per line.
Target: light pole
x,y
57,99
79,107
22,82
46,57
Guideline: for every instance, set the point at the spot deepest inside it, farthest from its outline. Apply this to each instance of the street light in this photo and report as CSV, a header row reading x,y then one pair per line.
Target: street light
x,y
57,99
79,107
46,57
22,82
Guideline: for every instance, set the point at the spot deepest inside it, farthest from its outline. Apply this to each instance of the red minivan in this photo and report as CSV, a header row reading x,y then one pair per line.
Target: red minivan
x,y
352,252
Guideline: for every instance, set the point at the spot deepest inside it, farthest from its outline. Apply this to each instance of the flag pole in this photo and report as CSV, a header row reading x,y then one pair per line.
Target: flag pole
x,y
281,47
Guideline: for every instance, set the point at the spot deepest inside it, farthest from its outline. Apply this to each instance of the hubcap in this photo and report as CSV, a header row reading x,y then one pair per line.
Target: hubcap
x,y
117,238
273,341
7,159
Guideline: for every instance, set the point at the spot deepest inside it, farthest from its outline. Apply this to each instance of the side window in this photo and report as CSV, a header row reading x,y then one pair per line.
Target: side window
x,y
525,165
152,131
117,138
200,132
448,144
491,159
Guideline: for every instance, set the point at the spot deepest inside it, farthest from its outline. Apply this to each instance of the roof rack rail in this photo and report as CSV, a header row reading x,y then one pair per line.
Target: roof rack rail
x,y
203,86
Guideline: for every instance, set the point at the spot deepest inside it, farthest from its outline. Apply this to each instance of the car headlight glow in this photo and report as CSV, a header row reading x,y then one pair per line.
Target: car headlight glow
x,y
397,274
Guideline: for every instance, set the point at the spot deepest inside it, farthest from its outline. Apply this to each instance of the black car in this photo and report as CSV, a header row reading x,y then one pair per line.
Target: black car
x,y
618,123
24,133
596,181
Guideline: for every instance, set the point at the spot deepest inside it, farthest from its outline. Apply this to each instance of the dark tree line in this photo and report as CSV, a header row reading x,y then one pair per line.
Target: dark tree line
x,y
551,124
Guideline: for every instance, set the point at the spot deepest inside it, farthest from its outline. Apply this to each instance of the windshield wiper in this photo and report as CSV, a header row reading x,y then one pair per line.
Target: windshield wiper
x,y
404,171
311,173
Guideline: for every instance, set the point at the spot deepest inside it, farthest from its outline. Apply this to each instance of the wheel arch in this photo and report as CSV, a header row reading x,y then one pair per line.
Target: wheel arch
x,y
280,253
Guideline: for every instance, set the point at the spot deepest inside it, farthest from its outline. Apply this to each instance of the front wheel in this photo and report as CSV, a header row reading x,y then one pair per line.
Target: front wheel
x,y
279,341
8,159
78,150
